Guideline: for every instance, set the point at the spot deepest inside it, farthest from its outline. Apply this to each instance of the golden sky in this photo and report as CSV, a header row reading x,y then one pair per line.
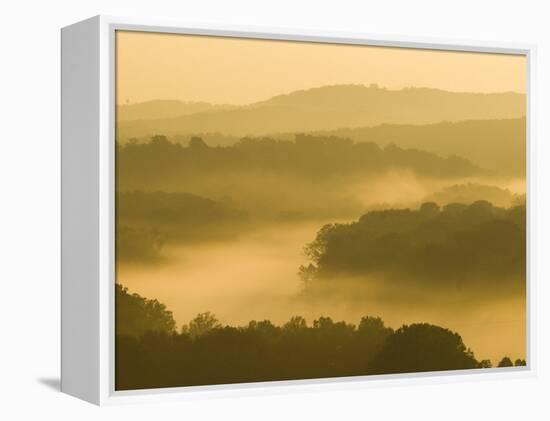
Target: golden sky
x,y
241,71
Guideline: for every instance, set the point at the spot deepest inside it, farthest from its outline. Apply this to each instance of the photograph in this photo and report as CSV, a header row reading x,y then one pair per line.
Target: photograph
x,y
296,210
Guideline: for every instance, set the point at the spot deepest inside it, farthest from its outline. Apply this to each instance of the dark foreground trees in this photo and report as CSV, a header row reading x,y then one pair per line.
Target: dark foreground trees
x,y
150,353
262,351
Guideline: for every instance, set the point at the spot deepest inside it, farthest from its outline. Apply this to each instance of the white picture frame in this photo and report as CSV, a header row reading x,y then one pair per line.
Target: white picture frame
x,y
88,266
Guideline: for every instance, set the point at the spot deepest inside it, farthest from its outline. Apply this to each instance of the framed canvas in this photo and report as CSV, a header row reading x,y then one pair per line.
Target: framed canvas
x,y
246,209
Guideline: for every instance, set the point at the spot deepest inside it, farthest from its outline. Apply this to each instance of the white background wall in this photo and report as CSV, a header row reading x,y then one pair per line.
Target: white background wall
x,y
29,235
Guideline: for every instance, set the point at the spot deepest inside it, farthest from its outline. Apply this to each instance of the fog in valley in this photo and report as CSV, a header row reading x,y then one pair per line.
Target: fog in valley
x,y
256,278
386,208
247,268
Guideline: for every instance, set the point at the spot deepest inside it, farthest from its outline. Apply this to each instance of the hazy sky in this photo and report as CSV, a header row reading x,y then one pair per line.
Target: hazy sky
x,y
240,71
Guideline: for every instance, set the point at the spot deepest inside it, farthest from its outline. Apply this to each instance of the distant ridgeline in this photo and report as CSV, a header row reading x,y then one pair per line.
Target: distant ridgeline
x,y
151,353
323,108
498,145
161,163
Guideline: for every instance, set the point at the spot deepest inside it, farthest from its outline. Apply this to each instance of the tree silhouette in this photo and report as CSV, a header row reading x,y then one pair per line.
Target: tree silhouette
x,y
196,143
201,325
135,315
296,323
505,362
423,347
485,364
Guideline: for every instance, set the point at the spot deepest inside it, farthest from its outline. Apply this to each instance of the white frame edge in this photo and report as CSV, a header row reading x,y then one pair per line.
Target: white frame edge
x,y
80,119
98,386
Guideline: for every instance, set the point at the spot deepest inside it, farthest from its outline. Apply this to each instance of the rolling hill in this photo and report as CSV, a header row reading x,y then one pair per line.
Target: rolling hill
x,y
498,145
324,108
158,109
